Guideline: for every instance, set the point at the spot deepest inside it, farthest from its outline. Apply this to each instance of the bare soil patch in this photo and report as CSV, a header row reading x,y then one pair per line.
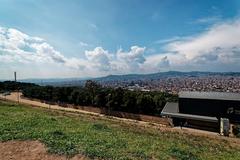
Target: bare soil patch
x,y
29,150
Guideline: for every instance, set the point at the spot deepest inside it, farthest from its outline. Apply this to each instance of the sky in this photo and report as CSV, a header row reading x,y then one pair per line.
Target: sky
x,y
93,38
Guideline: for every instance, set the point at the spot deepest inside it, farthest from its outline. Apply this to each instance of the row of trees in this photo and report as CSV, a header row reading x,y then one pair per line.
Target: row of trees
x,y
14,86
92,94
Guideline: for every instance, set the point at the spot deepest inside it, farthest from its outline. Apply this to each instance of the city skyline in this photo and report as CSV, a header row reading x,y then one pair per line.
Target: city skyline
x,y
52,39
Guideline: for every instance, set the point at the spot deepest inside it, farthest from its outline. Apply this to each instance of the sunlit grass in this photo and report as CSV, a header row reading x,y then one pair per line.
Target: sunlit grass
x,y
105,139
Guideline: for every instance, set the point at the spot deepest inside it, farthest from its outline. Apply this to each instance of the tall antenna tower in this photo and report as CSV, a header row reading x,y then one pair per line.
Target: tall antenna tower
x,y
15,76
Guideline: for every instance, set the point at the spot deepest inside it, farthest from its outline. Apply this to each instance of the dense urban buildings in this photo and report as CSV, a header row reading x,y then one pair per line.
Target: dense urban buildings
x,y
187,83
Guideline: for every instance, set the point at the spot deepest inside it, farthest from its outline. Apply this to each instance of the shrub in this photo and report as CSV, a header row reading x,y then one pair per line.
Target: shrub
x,y
236,130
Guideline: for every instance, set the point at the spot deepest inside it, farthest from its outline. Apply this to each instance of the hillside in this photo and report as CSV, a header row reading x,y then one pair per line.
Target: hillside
x,y
102,138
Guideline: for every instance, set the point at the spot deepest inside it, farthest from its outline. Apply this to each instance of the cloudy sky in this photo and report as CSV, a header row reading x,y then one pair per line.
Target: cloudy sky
x,y
91,38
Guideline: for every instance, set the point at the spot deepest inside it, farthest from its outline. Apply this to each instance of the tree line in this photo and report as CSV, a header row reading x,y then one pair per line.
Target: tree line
x,y
14,86
93,94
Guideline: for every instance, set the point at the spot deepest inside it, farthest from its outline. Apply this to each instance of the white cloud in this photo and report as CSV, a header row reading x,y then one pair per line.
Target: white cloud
x,y
16,46
156,63
99,58
119,62
93,26
162,41
212,19
219,37
132,59
83,44
216,49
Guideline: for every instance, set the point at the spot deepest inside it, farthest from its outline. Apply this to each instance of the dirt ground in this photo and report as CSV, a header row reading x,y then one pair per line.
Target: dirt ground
x,y
29,150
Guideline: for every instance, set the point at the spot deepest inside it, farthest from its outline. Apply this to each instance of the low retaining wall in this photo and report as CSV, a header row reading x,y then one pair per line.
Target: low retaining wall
x,y
139,117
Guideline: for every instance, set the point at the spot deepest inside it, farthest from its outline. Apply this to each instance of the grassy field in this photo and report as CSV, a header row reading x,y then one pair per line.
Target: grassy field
x,y
105,139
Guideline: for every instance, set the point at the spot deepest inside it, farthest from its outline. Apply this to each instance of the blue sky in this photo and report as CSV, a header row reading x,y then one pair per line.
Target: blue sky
x,y
101,37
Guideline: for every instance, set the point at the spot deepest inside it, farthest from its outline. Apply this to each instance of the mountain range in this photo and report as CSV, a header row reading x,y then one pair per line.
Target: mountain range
x,y
126,78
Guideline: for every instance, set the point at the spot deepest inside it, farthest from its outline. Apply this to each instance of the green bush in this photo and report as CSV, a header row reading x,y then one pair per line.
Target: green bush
x,y
236,130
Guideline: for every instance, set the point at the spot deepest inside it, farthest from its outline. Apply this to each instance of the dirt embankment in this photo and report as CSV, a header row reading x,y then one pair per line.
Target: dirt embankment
x,y
29,150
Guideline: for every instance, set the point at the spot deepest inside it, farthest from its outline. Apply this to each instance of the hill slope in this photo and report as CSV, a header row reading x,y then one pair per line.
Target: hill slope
x,y
101,138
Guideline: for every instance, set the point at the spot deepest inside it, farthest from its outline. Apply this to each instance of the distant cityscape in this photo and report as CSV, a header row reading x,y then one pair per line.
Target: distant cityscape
x,y
175,84
171,82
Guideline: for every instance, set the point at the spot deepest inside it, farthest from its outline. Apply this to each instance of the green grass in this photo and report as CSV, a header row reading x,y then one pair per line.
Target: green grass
x,y
105,139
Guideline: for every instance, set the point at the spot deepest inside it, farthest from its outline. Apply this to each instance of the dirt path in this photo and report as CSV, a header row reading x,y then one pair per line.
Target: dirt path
x,y
29,150
14,97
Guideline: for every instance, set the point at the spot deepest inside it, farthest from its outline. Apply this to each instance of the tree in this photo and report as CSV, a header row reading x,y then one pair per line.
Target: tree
x,y
145,103
93,94
92,87
74,97
115,99
100,99
159,102
129,102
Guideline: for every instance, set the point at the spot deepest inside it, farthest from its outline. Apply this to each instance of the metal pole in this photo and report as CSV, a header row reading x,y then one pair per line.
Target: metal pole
x,y
18,96
15,79
15,76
